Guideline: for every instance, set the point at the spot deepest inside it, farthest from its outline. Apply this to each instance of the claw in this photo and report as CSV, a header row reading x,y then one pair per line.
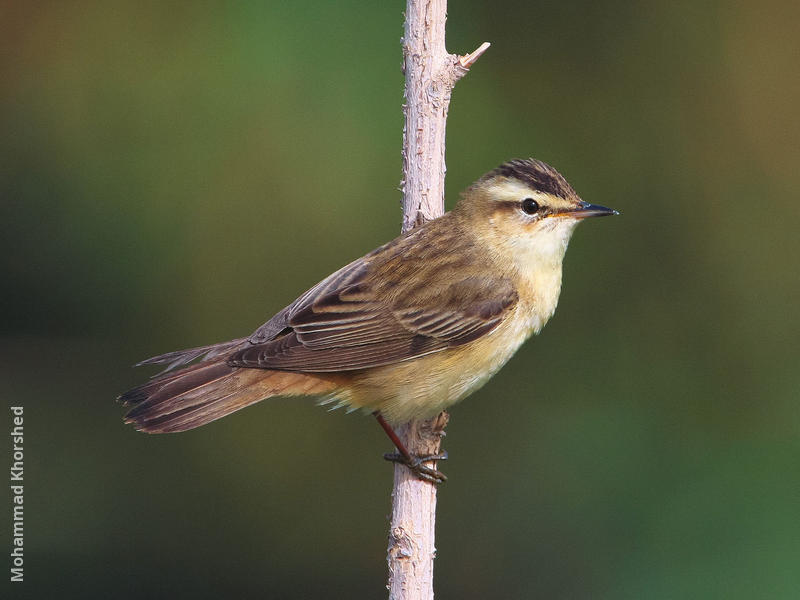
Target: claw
x,y
415,463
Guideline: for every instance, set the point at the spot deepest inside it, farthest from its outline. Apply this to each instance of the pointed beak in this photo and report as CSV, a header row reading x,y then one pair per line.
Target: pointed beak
x,y
585,210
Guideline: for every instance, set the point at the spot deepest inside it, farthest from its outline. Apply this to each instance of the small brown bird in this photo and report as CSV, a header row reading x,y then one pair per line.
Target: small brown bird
x,y
403,332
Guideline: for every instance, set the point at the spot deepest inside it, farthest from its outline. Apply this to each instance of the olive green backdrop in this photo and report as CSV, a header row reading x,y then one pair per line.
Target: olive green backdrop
x,y
172,174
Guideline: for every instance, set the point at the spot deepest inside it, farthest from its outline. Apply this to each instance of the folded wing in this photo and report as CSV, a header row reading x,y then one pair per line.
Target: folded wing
x,y
367,323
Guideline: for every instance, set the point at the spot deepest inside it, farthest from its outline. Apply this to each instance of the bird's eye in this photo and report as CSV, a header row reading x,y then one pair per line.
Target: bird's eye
x,y
530,206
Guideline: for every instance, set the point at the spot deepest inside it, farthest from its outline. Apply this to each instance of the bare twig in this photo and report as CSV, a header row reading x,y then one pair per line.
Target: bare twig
x,y
468,60
430,74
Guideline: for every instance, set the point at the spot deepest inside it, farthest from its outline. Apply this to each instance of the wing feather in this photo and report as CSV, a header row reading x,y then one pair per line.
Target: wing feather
x,y
368,314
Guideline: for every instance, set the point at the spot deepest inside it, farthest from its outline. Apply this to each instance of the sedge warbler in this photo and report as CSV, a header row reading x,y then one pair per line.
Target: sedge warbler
x,y
404,331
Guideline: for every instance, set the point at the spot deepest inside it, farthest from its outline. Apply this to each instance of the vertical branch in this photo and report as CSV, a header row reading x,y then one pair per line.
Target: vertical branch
x,y
430,75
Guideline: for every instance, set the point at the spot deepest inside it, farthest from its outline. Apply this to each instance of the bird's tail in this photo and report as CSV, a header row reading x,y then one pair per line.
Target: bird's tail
x,y
206,391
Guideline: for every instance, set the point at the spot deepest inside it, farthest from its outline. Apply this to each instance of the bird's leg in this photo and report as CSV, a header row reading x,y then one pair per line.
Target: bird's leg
x,y
415,463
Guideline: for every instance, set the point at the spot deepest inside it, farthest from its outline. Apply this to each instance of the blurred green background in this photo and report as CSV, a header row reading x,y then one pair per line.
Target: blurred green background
x,y
172,174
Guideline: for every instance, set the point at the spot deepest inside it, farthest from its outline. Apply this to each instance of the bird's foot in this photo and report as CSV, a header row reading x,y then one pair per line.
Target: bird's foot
x,y
415,463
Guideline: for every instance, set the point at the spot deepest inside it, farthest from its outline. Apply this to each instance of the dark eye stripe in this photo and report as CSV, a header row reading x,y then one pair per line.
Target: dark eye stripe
x,y
516,206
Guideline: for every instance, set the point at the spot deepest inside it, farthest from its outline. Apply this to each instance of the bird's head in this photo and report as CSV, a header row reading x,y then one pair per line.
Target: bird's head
x,y
528,209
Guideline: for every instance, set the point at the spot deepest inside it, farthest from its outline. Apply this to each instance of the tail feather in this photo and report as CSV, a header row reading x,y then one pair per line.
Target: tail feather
x,y
204,392
182,357
183,391
158,382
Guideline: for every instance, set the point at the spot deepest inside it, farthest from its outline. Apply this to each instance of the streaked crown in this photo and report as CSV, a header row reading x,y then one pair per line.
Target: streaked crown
x,y
536,175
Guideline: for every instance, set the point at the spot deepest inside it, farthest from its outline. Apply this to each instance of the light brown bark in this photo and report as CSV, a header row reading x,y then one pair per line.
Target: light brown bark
x,y
430,75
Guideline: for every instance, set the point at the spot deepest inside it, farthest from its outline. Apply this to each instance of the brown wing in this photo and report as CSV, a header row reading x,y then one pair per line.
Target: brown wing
x,y
375,318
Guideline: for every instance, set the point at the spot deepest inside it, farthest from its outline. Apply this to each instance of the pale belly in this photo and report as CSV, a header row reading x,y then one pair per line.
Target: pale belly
x,y
425,386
